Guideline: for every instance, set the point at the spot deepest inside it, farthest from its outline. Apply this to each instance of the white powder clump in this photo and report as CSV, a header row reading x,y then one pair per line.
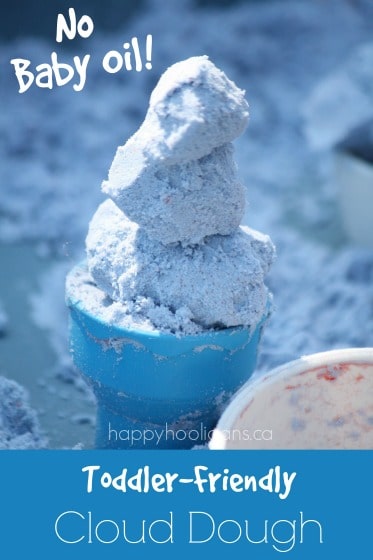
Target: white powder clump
x,y
19,426
168,246
175,176
220,280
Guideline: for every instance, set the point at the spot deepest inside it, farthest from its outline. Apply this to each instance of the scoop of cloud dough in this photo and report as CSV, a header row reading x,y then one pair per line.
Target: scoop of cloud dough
x,y
179,162
184,202
195,108
220,280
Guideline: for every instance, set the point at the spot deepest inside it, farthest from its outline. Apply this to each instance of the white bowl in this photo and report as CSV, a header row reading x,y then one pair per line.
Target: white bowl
x,y
321,401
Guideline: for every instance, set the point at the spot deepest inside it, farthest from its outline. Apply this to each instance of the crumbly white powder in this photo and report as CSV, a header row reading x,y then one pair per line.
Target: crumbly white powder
x,y
184,262
180,202
175,176
217,283
19,426
140,313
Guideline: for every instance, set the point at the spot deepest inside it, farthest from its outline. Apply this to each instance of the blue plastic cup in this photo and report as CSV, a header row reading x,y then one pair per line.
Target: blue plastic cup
x,y
154,390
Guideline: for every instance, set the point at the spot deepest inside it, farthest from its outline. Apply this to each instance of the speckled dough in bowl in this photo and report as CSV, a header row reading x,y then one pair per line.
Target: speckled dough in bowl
x,y
321,401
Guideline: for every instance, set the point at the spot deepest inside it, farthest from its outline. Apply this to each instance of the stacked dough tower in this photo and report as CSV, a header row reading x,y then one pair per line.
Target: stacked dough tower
x,y
167,244
166,322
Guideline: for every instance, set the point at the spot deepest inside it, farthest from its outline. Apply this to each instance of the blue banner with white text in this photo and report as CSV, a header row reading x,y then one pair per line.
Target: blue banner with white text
x,y
81,504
